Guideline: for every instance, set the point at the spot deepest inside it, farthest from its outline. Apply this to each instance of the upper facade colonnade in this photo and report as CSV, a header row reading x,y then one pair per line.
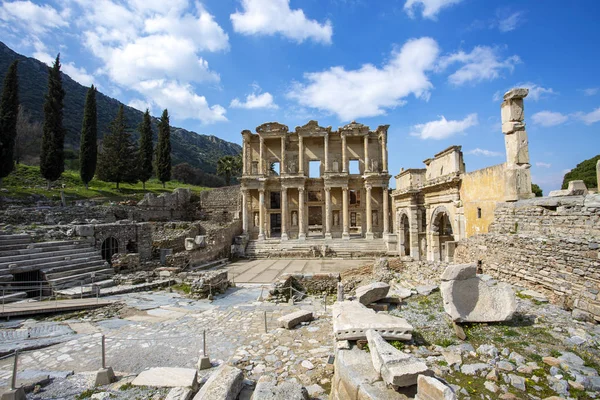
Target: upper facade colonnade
x,y
353,149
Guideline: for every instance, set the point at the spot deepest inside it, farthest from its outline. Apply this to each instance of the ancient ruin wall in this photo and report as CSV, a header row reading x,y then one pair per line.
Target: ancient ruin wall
x,y
548,244
221,203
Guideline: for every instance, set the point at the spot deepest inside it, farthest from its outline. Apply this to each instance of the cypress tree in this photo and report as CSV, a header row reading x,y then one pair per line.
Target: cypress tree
x,y
117,161
145,149
9,109
52,156
88,148
163,149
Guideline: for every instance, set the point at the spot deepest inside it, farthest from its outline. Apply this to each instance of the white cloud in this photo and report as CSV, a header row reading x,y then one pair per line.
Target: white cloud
x,y
590,91
140,105
269,17
35,18
549,118
588,118
430,8
510,22
543,165
154,47
485,153
77,74
369,90
255,100
483,63
442,128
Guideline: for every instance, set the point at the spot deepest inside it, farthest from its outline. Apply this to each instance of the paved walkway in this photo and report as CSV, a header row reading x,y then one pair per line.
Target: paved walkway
x,y
267,271
51,306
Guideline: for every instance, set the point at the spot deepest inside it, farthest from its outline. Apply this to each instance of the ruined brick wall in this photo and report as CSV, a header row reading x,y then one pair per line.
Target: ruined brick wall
x,y
548,244
219,238
223,204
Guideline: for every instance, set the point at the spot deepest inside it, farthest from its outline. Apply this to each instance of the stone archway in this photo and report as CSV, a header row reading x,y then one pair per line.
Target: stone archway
x,y
441,232
404,233
110,246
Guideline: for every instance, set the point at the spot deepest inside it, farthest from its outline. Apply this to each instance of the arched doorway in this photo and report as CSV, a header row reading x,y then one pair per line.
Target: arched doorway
x,y
110,246
404,230
441,232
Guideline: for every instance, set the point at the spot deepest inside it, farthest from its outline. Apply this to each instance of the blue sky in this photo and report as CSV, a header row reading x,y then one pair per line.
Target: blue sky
x,y
434,70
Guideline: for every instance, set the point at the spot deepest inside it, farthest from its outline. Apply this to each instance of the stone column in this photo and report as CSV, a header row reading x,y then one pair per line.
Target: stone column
x,y
261,214
413,229
366,144
346,216
244,155
284,213
385,216
384,160
282,167
326,144
301,231
344,159
517,172
327,213
369,233
598,176
245,212
261,162
301,155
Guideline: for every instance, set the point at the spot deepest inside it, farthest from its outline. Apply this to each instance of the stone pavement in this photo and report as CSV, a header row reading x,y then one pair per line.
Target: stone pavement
x,y
165,329
268,270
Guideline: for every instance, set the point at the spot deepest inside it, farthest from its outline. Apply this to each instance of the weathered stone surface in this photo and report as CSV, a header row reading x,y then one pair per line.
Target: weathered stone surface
x,y
167,377
190,244
370,293
516,93
268,389
537,296
575,188
429,388
224,384
472,300
179,393
291,320
395,367
104,376
459,272
351,320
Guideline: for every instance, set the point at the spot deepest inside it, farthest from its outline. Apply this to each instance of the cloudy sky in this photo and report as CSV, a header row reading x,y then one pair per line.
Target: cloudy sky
x,y
435,70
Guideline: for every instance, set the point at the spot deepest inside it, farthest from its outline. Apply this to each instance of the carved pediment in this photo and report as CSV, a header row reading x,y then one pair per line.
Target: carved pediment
x,y
313,128
355,128
272,128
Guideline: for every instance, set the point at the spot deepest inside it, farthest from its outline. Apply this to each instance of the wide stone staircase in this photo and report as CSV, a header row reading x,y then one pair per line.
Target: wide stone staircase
x,y
313,248
54,264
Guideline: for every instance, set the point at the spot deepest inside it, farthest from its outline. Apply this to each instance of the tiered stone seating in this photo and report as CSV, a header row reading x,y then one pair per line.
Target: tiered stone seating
x,y
353,248
61,263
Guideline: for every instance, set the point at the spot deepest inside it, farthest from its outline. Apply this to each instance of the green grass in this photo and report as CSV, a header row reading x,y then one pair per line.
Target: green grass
x,y
183,287
26,181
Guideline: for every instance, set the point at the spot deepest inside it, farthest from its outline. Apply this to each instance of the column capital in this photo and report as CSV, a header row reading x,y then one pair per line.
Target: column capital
x,y
327,189
301,189
368,187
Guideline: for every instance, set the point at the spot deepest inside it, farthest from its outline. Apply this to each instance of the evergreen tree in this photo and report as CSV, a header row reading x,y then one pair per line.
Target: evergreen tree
x,y
163,149
117,161
9,110
52,156
88,148
145,151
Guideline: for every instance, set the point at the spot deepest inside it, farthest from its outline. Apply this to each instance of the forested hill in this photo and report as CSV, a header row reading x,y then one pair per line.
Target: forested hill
x,y
584,171
200,151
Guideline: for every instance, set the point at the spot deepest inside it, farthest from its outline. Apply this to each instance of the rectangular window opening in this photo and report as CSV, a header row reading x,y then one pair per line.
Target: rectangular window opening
x,y
354,167
275,168
478,212
275,200
354,197
314,169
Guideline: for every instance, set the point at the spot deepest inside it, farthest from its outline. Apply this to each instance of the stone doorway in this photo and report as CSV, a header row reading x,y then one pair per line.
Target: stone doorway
x,y
275,224
315,220
442,233
109,247
404,235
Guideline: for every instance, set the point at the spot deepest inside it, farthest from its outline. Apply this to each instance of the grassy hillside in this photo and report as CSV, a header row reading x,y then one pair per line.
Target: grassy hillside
x,y
26,181
584,171
200,151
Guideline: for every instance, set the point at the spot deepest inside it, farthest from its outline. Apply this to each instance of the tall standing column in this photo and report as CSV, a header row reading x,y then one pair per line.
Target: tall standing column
x,y
261,214
414,233
344,160
245,212
384,159
301,155
385,216
326,143
261,163
346,219
367,162
301,231
244,155
369,234
284,213
327,213
282,167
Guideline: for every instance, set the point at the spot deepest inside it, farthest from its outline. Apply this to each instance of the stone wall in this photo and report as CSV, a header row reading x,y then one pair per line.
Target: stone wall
x,y
219,238
132,237
221,204
547,244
